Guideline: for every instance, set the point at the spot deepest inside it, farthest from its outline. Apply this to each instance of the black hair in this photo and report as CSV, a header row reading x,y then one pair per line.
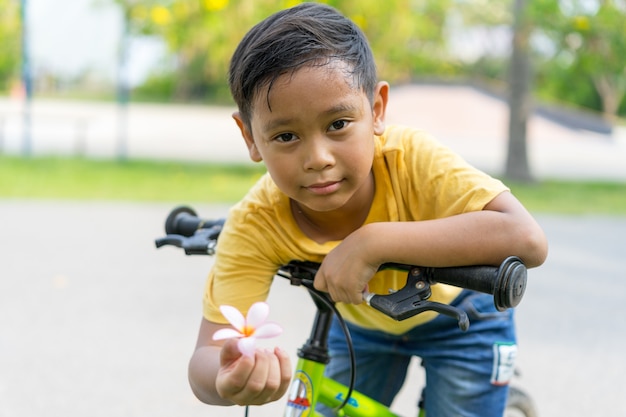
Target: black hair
x,y
309,34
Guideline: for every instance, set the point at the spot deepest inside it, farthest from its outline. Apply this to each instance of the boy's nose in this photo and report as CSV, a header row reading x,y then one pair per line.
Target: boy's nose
x,y
318,155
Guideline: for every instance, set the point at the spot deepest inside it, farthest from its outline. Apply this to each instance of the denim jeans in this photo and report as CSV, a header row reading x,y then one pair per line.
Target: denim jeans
x,y
466,372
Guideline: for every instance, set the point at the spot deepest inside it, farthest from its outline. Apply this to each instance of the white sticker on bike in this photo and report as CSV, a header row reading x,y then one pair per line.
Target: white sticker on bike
x,y
503,363
300,396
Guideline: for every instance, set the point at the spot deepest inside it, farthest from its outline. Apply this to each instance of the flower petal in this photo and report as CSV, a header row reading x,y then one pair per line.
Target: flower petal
x,y
257,314
234,317
267,330
246,346
222,334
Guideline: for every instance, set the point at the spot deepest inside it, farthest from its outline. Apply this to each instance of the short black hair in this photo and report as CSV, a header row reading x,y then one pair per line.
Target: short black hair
x,y
309,34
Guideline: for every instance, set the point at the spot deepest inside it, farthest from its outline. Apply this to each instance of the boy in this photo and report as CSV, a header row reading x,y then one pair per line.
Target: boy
x,y
345,190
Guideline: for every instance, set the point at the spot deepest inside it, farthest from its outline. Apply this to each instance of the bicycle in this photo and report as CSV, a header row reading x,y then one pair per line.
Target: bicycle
x,y
507,282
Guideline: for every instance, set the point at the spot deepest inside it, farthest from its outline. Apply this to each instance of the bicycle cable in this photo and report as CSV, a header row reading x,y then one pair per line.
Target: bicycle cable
x,y
351,353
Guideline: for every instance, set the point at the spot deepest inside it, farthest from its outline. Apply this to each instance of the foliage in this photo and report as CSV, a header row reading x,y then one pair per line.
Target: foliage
x,y
156,87
407,36
10,44
601,55
578,45
590,46
579,49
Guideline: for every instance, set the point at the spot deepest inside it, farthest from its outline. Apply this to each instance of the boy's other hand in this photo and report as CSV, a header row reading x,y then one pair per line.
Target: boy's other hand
x,y
257,380
346,270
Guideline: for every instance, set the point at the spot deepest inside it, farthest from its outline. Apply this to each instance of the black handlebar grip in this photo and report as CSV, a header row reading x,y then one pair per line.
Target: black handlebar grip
x,y
511,283
182,221
507,282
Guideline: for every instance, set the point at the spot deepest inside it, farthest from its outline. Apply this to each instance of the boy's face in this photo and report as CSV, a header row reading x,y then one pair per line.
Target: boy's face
x,y
315,134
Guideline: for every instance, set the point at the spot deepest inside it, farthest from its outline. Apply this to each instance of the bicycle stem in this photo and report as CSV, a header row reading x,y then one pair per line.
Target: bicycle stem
x,y
316,347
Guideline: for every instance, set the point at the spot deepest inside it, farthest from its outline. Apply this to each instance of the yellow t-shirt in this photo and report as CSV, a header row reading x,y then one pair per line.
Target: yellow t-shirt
x,y
416,179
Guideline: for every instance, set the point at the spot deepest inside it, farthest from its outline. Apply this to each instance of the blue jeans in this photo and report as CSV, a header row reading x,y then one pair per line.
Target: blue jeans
x,y
467,373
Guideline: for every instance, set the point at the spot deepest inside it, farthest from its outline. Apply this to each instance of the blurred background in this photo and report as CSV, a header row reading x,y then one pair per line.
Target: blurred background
x,y
562,59
112,112
178,50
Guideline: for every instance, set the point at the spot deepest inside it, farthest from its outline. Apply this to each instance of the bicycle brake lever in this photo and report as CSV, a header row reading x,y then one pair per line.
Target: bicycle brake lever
x,y
409,308
202,242
412,300
458,314
171,240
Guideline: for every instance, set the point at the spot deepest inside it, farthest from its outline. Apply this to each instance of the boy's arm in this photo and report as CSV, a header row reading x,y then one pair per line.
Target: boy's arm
x,y
220,375
503,228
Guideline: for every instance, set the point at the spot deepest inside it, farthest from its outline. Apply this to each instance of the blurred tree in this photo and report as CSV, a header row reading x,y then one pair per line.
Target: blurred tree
x,y
600,43
491,18
590,41
516,16
520,105
201,37
10,44
407,36
576,46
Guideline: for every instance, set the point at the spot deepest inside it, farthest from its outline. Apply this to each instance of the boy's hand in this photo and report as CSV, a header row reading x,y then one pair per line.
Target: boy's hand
x,y
346,270
252,381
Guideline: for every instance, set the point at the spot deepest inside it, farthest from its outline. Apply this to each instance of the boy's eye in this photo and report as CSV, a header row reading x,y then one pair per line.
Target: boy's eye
x,y
285,137
338,125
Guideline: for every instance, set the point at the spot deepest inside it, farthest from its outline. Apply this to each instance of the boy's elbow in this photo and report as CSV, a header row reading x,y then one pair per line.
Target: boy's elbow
x,y
201,375
534,246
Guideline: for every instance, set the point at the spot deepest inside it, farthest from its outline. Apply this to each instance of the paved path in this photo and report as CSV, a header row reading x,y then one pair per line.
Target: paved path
x,y
472,123
94,321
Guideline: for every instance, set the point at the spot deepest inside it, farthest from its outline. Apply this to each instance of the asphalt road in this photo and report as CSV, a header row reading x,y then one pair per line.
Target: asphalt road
x,y
94,321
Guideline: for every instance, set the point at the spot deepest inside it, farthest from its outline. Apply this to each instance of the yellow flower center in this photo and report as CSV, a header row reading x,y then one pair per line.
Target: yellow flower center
x,y
247,331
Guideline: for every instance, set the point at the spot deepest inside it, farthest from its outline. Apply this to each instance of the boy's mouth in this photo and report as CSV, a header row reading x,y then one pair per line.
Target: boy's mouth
x,y
324,188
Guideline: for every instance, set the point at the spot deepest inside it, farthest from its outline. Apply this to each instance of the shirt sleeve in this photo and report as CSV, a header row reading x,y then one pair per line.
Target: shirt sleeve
x,y
247,256
440,183
241,275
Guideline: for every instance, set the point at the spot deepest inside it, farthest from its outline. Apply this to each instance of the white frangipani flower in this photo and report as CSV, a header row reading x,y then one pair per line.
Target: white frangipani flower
x,y
248,329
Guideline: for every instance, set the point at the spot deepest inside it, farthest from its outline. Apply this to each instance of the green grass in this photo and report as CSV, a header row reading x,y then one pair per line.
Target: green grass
x,y
573,197
83,179
86,179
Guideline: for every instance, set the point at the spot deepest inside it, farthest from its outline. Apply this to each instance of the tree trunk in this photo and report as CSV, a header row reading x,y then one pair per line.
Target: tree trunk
x,y
517,167
610,95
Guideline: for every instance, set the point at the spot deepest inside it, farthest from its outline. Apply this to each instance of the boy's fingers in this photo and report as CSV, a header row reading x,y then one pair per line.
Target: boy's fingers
x,y
230,352
258,378
285,371
256,390
268,381
278,377
235,371
319,283
274,377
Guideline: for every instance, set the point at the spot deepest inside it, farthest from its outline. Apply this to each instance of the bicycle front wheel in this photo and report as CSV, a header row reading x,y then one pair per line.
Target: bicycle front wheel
x,y
519,404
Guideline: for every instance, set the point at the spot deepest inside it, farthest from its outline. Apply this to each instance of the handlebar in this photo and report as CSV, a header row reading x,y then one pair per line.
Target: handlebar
x,y
184,229
506,282
184,221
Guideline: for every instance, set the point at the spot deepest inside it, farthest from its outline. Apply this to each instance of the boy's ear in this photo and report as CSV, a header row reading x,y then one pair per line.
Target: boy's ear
x,y
379,107
247,136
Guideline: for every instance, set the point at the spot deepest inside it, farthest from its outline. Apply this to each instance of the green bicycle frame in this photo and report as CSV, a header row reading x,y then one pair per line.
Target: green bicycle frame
x,y
310,387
